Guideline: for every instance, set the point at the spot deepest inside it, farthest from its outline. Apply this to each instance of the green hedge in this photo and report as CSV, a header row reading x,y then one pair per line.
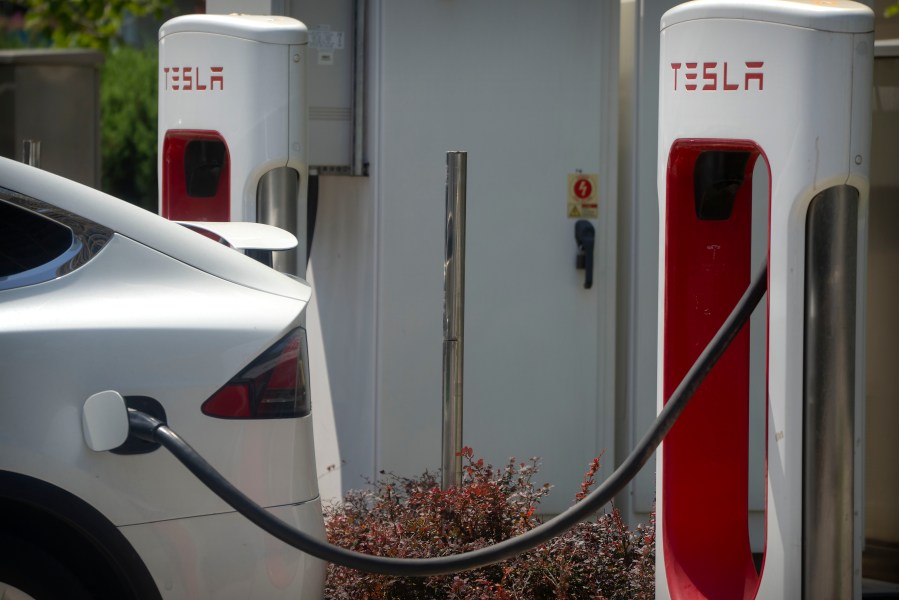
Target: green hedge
x,y
128,114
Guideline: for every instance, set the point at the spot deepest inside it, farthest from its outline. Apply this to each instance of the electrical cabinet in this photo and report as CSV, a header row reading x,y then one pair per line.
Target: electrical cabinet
x,y
333,72
53,96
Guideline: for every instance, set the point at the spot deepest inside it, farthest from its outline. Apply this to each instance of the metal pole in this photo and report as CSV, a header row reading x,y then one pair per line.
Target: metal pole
x,y
31,152
829,423
277,197
359,90
453,316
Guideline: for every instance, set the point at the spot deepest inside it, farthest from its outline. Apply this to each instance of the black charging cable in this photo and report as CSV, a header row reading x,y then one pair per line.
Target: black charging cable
x,y
150,429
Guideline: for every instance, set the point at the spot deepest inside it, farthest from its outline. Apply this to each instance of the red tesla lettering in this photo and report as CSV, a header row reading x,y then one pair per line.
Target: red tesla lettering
x,y
188,79
729,86
219,78
757,76
715,79
691,76
709,74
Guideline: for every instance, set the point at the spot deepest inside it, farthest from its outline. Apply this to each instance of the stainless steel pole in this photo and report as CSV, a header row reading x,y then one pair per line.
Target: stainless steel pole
x,y
277,197
830,396
453,316
31,152
359,90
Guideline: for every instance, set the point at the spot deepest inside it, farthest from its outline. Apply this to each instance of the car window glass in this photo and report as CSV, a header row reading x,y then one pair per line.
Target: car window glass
x,y
28,240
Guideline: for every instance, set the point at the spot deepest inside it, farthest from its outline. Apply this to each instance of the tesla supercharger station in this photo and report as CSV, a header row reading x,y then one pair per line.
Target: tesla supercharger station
x,y
785,86
232,133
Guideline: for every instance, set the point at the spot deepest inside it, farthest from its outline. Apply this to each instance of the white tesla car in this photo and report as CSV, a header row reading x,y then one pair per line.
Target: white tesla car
x,y
98,295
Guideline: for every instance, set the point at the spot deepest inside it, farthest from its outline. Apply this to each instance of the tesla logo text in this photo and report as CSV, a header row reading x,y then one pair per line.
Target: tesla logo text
x,y
194,78
713,76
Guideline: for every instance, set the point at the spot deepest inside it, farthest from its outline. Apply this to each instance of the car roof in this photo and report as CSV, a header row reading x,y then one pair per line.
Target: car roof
x,y
149,229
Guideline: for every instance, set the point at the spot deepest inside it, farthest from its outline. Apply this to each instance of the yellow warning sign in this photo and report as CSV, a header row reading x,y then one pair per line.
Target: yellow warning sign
x,y
583,195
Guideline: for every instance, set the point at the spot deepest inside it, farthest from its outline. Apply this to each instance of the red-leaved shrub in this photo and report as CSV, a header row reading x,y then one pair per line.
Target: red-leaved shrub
x,y
414,518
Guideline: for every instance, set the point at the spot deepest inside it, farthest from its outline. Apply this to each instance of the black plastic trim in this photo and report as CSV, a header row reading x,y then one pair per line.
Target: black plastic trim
x,y
135,445
717,177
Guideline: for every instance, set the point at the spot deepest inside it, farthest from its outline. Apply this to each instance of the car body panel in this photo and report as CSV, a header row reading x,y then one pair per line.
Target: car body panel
x,y
177,343
161,312
149,229
197,558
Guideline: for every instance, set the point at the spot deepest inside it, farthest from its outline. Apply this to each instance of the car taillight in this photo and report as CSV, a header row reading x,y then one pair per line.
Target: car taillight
x,y
274,386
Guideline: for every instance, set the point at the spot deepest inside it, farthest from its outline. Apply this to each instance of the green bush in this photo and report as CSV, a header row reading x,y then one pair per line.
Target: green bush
x,y
94,24
128,112
414,518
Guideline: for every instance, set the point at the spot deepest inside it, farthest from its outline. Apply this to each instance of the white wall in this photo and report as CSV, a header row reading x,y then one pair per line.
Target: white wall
x,y
882,444
341,322
639,248
519,85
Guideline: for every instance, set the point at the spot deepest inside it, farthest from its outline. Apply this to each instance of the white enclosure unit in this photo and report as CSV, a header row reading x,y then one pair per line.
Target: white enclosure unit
x,y
527,89
232,128
799,104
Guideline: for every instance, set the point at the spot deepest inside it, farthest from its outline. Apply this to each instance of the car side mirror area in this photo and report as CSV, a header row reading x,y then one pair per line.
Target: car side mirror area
x,y
104,421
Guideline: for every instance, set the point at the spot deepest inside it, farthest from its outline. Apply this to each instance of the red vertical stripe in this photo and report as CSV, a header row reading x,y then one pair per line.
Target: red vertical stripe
x,y
704,483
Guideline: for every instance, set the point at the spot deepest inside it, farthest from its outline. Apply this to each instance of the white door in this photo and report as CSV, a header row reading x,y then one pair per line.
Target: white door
x,y
526,88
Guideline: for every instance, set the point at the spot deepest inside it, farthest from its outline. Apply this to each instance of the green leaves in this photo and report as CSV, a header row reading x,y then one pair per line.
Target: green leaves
x,y
95,24
128,97
128,121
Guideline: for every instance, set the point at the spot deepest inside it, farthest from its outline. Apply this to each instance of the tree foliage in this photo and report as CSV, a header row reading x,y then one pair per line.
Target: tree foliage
x,y
128,121
128,82
93,24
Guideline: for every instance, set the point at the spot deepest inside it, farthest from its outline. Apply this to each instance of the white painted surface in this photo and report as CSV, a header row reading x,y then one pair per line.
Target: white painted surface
x,y
198,558
243,235
162,312
639,252
104,421
639,256
137,224
252,69
340,321
526,89
808,151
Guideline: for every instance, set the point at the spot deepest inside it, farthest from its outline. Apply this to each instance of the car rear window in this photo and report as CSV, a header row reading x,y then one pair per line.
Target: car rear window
x,y
29,240
40,242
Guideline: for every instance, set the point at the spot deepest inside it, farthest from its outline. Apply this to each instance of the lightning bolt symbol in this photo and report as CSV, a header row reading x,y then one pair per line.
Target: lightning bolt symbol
x,y
582,188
